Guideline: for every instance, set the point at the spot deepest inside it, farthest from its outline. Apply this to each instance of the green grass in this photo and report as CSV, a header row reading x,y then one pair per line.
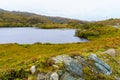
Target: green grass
x,y
16,56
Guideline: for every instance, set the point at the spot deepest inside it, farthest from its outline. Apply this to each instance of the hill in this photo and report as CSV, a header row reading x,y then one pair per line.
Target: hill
x,y
112,21
16,19
26,19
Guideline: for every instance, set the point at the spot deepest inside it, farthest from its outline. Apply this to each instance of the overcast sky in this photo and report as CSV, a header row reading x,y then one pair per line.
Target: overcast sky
x,y
77,9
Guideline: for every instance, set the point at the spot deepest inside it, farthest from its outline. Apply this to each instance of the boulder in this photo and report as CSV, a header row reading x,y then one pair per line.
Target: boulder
x,y
117,78
60,72
73,67
54,76
101,65
103,69
55,66
70,64
111,52
61,58
81,60
67,76
33,69
40,76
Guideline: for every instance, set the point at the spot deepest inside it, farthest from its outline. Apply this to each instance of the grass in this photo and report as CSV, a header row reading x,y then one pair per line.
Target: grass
x,y
16,56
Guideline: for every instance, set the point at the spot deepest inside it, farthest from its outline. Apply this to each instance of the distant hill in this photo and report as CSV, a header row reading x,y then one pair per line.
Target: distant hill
x,y
16,18
112,21
1,10
21,19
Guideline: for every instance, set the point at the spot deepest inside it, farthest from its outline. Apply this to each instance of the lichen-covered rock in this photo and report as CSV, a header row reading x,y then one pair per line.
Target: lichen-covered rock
x,y
33,69
111,52
55,66
61,58
102,66
41,76
81,60
74,67
67,76
102,69
117,78
60,72
54,76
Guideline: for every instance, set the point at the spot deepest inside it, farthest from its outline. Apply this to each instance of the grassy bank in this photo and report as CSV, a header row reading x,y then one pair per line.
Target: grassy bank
x,y
16,56
93,31
16,59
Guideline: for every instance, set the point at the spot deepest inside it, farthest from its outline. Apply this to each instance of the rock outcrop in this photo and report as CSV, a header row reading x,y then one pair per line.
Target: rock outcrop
x,y
72,67
61,58
111,52
33,69
54,76
100,65
67,76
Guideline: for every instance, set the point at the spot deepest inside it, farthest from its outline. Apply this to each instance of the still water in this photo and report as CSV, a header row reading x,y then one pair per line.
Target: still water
x,y
33,35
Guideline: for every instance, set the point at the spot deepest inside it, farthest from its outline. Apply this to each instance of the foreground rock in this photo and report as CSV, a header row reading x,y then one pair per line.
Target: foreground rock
x,y
40,76
102,66
71,65
111,52
54,76
67,76
61,59
74,67
33,69
117,78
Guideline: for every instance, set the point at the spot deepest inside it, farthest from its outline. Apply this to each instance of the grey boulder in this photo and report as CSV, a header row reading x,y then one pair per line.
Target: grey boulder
x,y
111,52
54,76
67,76
73,67
61,58
102,66
33,69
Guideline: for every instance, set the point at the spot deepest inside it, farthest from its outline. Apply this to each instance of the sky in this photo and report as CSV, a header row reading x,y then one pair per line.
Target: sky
x,y
89,10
